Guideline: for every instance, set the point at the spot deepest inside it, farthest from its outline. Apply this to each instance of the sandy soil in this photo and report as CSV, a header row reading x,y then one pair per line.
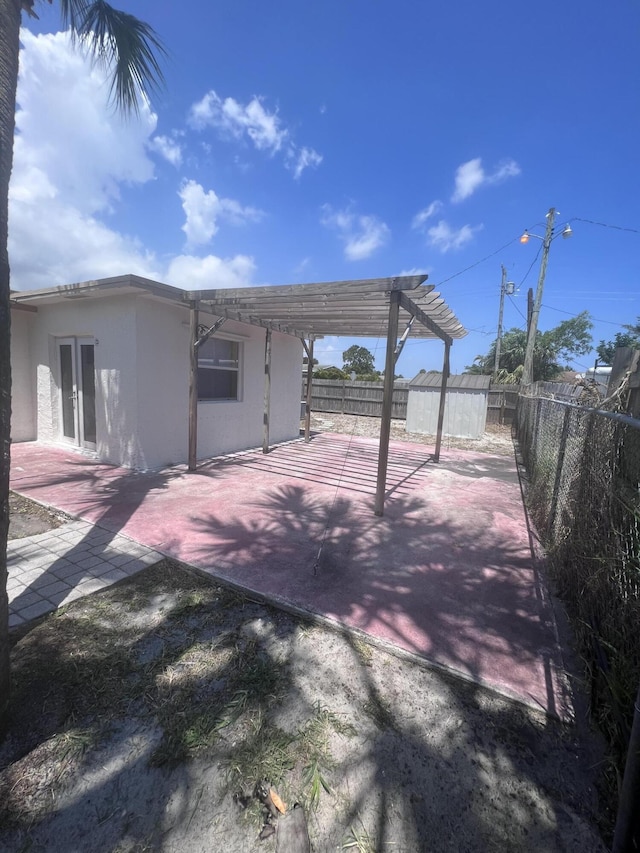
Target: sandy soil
x,y
27,518
497,439
143,717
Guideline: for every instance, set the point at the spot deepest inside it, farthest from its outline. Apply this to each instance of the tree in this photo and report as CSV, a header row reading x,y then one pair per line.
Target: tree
x,y
631,338
553,349
357,360
128,48
329,373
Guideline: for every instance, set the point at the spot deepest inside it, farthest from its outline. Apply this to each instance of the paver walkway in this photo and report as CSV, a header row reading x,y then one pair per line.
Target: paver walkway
x,y
56,567
446,574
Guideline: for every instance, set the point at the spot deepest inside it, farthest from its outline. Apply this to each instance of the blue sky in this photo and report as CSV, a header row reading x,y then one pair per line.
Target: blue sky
x,y
301,142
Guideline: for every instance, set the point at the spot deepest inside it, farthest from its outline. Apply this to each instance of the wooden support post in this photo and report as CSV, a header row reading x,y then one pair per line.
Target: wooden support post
x,y
193,386
267,391
387,400
443,399
307,408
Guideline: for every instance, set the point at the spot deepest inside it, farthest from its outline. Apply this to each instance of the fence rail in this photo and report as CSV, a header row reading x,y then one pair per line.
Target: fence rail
x,y
365,398
356,398
501,403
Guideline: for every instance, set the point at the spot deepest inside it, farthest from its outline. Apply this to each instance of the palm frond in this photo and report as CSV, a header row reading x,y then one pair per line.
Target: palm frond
x,y
128,47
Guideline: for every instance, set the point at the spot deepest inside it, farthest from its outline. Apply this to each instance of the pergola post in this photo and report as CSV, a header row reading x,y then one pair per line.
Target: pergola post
x,y
307,409
193,385
443,399
387,399
267,391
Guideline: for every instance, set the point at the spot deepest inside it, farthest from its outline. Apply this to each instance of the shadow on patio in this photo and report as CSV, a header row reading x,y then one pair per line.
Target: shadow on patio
x,y
446,574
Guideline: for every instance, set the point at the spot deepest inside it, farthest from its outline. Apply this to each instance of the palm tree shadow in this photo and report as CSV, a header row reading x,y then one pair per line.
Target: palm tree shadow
x,y
464,597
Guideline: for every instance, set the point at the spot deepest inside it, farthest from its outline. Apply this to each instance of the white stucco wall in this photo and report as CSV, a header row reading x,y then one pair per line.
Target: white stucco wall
x,y
286,361
162,396
111,322
23,390
142,381
226,426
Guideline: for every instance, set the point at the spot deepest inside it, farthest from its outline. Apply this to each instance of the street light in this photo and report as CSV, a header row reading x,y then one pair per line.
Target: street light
x,y
549,236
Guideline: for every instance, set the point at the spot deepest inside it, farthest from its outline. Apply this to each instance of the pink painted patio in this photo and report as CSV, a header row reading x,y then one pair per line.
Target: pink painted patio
x,y
446,574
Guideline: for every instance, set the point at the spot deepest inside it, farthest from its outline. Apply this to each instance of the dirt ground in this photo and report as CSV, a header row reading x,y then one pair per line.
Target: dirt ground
x,y
496,439
144,716
27,518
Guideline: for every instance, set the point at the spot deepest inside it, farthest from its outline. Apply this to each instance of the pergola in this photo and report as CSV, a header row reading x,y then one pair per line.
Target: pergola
x,y
367,308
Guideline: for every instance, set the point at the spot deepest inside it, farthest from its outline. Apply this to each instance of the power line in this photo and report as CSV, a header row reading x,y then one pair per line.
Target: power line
x,y
477,263
608,322
605,225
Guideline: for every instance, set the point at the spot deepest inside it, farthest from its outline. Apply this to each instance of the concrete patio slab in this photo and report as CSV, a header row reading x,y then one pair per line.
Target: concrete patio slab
x,y
446,574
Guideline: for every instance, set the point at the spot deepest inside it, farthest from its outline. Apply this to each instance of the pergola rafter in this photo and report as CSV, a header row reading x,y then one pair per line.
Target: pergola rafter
x,y
368,308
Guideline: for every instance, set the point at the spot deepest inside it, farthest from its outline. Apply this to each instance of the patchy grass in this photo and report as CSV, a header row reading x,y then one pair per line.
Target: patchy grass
x,y
185,664
146,715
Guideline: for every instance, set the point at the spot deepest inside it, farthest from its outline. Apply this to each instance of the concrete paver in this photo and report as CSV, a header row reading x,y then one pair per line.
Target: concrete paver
x,y
53,568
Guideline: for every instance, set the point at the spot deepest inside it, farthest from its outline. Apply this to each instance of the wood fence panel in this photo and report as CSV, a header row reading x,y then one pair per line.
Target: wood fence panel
x,y
356,398
501,403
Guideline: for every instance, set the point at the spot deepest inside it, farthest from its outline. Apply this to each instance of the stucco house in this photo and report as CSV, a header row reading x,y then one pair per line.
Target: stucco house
x,y
105,366
145,375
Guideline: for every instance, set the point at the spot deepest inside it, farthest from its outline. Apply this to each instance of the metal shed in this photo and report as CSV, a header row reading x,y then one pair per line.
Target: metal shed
x,y
465,410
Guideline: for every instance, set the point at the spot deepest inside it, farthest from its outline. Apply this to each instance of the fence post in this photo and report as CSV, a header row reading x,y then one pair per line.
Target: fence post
x,y
559,469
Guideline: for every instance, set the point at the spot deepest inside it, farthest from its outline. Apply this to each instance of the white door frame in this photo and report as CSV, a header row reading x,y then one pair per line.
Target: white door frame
x,y
77,409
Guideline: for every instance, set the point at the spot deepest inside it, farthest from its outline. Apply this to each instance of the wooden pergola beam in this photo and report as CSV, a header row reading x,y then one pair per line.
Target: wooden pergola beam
x,y
443,400
308,348
193,387
387,399
417,312
291,291
267,391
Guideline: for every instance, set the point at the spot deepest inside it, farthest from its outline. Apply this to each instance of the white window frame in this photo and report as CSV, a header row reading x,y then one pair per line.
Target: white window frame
x,y
238,370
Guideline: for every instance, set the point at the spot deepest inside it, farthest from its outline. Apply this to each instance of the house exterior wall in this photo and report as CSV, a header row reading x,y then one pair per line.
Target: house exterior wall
x,y
142,381
465,412
23,395
111,323
225,426
162,382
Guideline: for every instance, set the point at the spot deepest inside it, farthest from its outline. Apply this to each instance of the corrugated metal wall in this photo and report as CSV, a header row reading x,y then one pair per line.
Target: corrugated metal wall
x,y
465,412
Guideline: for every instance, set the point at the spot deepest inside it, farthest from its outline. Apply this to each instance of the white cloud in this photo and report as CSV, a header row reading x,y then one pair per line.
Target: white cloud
x,y
72,155
422,216
253,120
362,235
416,271
508,169
228,115
167,148
301,159
204,209
443,237
194,273
471,175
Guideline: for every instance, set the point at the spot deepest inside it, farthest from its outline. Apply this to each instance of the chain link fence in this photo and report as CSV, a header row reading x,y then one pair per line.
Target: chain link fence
x,y
583,496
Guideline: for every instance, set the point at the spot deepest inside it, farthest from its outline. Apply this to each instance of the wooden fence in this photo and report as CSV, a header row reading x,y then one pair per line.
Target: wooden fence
x,y
501,403
365,398
355,398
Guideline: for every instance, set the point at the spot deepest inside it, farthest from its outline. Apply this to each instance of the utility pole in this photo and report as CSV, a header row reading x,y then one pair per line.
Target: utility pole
x,y
506,287
527,372
496,364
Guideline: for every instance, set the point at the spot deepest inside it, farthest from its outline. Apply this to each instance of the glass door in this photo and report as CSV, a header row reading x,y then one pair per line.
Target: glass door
x,y
76,357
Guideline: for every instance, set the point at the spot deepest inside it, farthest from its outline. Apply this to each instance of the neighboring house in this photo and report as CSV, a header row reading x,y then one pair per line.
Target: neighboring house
x,y
465,411
105,366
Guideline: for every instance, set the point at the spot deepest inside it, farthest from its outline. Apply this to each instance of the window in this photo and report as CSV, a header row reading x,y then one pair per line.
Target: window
x,y
218,370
